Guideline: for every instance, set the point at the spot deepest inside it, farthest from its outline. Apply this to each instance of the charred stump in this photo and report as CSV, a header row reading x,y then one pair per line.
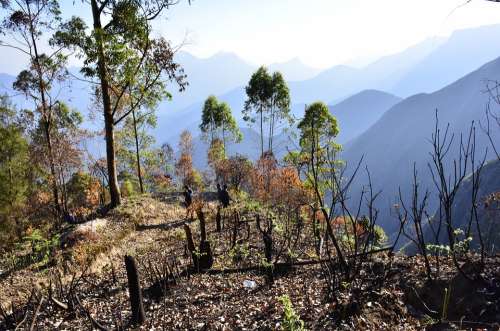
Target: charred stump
x,y
218,220
203,231
267,238
190,245
236,226
134,288
205,260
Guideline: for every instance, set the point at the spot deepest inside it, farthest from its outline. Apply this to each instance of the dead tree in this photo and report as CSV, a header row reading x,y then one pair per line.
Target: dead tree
x,y
417,214
448,180
134,288
203,257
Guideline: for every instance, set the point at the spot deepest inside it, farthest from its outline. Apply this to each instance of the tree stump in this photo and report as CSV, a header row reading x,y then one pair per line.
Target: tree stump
x,y
218,220
190,246
203,231
134,289
206,259
189,238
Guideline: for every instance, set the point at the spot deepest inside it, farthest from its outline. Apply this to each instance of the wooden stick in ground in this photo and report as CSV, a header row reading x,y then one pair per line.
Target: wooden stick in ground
x,y
35,315
135,293
218,220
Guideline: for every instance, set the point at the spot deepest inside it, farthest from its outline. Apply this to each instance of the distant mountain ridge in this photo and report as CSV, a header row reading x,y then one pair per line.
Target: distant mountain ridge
x,y
462,53
357,113
401,136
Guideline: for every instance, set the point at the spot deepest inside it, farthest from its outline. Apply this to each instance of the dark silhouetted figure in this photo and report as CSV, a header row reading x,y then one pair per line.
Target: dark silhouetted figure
x,y
68,218
224,196
188,196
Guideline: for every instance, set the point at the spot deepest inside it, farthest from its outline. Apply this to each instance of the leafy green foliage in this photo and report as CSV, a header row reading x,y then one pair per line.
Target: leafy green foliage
x,y
217,121
290,320
127,188
41,247
14,163
132,67
268,101
318,130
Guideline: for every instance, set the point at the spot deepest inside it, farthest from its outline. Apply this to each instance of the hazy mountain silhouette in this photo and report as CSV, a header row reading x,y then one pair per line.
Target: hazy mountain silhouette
x,y
358,112
294,70
401,136
339,82
463,52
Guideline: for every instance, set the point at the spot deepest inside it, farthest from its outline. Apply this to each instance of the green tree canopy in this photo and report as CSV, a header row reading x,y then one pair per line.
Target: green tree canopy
x,y
14,164
128,63
268,101
26,23
217,121
318,130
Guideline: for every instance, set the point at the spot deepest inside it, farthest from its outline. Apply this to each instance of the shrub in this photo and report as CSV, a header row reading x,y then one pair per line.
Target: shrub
x,y
127,188
41,247
290,321
83,191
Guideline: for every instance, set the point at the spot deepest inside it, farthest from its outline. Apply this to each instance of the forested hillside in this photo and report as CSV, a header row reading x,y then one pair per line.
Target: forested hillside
x,y
143,187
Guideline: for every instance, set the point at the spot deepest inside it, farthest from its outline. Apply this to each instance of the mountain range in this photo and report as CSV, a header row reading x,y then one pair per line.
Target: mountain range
x,y
400,138
385,110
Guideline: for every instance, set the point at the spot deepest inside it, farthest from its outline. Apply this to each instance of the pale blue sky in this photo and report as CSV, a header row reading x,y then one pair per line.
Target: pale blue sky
x,y
321,33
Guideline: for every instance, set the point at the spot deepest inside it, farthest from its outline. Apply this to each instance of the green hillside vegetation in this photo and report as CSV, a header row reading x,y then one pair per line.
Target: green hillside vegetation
x,y
297,238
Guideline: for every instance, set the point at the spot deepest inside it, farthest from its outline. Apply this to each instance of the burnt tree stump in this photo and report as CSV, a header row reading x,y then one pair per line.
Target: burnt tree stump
x,y
135,293
206,259
218,220
267,238
190,245
203,231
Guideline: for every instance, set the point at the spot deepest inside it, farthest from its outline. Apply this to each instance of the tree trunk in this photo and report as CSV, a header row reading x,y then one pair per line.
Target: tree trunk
x,y
261,134
205,260
137,156
114,190
55,189
134,288
46,115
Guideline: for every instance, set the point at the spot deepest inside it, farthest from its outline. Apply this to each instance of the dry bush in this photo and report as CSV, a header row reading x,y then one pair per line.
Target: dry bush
x,y
234,171
278,186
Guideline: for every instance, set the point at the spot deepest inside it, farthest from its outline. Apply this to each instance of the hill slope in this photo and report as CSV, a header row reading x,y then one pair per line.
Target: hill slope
x,y
400,137
358,112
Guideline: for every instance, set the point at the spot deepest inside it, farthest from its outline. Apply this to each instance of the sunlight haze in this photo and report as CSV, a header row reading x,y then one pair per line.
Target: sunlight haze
x,y
321,34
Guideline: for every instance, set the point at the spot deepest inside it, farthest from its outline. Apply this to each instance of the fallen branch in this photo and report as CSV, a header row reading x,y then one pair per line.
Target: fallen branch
x,y
94,322
35,315
25,312
58,303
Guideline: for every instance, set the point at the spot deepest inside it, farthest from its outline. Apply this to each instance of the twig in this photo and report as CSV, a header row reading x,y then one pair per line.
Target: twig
x,y
35,315
58,303
94,322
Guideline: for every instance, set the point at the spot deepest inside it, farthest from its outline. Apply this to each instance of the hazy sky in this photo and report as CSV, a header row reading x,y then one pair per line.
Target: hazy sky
x,y
321,33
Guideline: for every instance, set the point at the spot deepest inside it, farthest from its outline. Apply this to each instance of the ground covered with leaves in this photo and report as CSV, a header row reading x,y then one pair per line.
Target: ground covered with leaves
x,y
84,284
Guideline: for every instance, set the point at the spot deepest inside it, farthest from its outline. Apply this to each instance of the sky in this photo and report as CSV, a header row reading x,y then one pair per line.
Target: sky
x,y
321,33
